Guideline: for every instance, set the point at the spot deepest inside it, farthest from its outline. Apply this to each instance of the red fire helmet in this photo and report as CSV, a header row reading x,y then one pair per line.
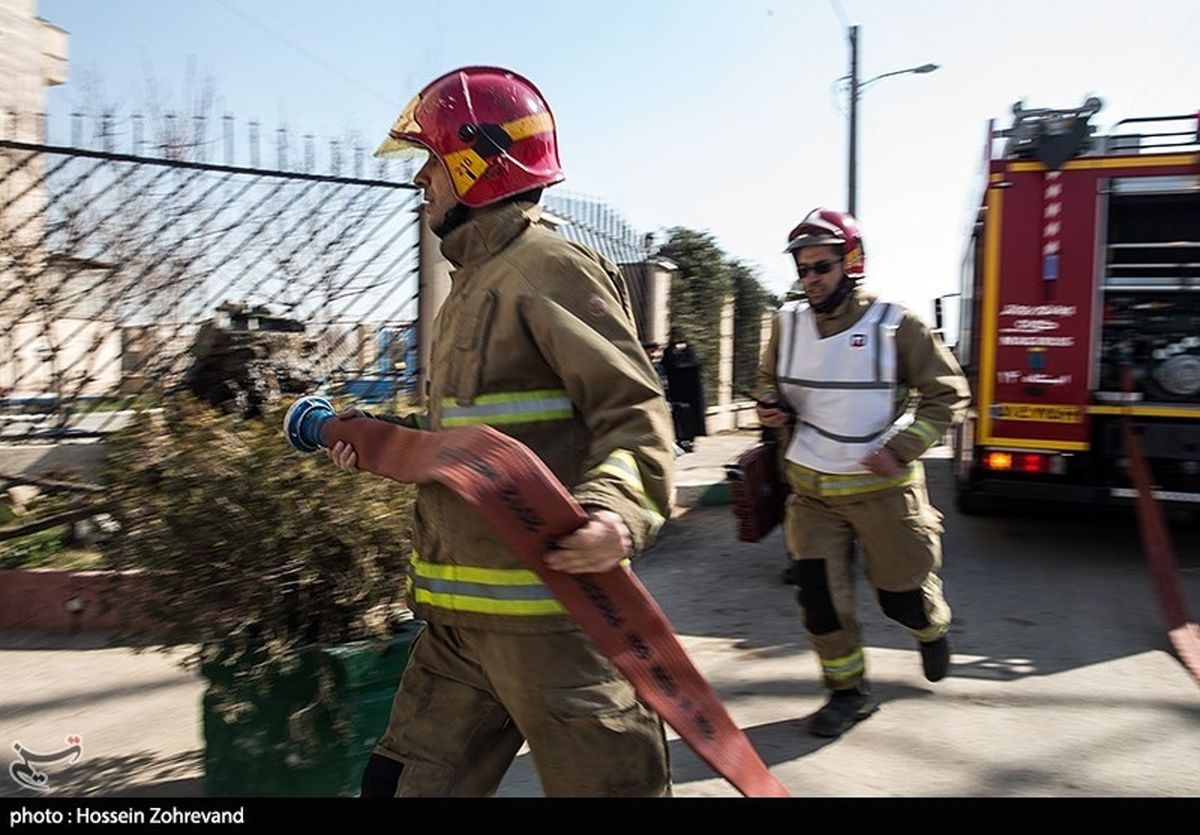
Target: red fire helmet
x,y
828,227
491,129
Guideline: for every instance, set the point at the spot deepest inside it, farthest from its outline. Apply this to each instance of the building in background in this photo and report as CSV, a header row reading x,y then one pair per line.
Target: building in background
x,y
48,321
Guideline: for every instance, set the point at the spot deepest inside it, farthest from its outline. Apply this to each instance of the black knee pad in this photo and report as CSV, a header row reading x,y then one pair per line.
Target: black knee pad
x,y
904,607
381,777
820,618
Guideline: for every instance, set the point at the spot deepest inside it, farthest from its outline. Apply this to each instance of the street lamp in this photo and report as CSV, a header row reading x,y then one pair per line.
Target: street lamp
x,y
855,89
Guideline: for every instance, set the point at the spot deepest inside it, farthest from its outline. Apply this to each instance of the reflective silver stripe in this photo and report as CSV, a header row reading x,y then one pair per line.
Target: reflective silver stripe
x,y
509,407
846,666
1161,495
510,592
789,356
818,384
502,592
885,310
622,465
925,431
847,439
525,407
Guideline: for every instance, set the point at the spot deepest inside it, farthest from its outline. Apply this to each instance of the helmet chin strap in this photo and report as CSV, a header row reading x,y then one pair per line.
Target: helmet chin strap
x,y
836,297
457,216
453,219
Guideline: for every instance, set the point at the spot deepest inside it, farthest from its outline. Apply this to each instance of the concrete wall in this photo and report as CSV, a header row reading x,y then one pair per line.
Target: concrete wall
x,y
83,459
649,284
730,411
33,56
77,356
55,602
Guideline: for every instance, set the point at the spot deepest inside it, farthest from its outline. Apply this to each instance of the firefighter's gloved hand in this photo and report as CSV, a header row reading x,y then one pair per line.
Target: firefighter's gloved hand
x,y
771,413
598,546
882,462
342,454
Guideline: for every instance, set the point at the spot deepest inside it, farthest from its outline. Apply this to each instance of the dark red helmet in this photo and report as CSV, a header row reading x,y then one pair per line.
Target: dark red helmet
x,y
491,129
827,227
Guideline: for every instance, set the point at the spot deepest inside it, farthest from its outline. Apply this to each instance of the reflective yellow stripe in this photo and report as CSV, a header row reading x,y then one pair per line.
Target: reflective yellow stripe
x,y
925,431
1148,411
503,408
515,396
1148,161
989,323
834,484
473,574
495,591
467,166
488,606
872,484
1029,443
931,632
502,420
528,126
622,465
848,666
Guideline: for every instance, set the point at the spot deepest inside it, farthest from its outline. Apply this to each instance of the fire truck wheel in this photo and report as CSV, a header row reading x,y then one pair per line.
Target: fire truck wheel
x,y
969,503
966,501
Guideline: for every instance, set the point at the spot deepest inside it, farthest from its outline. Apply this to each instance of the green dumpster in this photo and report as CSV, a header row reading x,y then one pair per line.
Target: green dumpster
x,y
304,731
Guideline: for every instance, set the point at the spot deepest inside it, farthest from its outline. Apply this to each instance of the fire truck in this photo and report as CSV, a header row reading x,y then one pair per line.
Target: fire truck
x,y
1080,309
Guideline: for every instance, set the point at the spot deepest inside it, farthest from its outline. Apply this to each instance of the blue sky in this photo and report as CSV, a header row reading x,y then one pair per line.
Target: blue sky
x,y
720,115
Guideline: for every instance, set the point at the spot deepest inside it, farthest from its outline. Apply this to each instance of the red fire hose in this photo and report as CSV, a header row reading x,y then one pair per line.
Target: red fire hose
x,y
1183,632
528,510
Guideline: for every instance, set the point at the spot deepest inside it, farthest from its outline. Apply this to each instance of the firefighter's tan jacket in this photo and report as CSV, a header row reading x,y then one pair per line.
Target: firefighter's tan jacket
x,y
536,339
928,381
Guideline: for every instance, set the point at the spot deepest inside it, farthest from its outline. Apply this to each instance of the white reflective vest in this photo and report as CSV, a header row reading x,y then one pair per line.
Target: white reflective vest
x,y
842,387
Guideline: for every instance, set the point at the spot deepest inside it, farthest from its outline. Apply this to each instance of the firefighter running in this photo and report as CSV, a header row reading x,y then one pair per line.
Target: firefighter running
x,y
871,389
536,339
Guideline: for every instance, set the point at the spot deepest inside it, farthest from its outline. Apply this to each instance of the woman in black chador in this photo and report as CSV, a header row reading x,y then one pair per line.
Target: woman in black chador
x,y
685,391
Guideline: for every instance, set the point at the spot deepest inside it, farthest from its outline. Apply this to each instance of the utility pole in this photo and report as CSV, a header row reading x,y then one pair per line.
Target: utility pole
x,y
852,175
855,88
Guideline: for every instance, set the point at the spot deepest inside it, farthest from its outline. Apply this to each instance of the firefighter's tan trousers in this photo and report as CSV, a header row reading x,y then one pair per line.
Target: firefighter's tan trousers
x,y
899,532
469,698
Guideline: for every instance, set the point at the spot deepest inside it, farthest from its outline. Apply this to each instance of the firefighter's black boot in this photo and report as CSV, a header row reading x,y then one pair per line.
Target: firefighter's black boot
x,y
844,709
935,659
790,576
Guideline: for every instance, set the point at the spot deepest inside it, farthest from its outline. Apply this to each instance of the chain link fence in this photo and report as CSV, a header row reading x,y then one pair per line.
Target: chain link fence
x,y
125,275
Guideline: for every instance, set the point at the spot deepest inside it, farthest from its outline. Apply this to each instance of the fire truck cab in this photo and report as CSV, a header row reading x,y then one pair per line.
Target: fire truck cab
x,y
1080,307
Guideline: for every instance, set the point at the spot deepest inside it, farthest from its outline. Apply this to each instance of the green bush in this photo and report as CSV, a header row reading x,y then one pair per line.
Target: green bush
x,y
249,543
50,548
705,278
36,550
698,292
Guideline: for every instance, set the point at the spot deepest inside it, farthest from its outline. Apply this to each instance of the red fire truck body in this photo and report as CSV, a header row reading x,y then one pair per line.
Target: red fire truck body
x,y
1084,258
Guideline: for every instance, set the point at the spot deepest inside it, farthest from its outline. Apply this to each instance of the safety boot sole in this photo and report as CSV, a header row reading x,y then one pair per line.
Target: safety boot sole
x,y
825,724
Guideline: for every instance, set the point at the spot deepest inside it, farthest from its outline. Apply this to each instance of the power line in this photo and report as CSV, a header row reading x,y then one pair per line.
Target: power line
x,y
1163,81
306,53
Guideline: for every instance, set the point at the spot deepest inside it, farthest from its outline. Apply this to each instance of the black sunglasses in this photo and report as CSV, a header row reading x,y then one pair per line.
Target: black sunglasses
x,y
820,268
